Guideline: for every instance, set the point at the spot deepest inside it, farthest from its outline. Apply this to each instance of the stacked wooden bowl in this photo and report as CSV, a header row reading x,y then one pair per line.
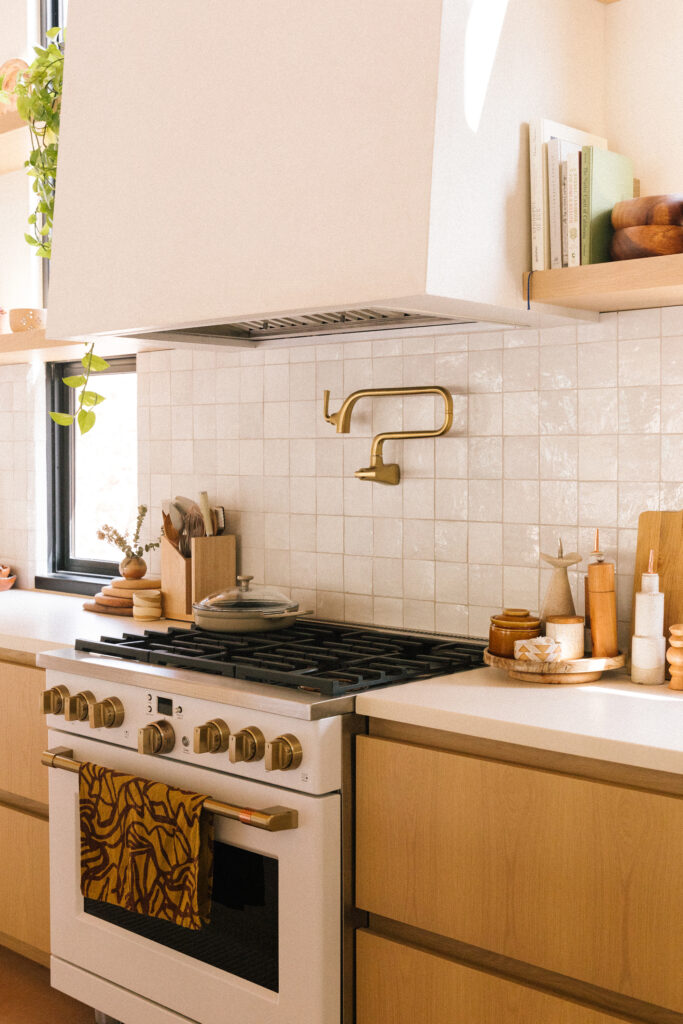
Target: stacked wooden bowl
x,y
650,226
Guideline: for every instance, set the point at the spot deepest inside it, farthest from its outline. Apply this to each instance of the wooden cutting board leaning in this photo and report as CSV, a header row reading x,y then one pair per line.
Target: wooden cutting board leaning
x,y
663,533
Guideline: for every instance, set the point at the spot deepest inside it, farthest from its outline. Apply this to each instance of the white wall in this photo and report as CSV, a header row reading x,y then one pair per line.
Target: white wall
x,y
644,76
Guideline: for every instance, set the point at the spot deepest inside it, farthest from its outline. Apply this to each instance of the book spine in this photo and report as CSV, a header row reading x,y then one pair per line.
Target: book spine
x,y
574,209
586,175
563,209
554,205
536,196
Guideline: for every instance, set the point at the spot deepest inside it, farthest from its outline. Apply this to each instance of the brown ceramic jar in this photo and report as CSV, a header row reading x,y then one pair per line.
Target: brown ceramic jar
x,y
512,624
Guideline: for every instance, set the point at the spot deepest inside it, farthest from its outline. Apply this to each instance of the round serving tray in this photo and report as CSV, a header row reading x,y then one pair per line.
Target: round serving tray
x,y
583,670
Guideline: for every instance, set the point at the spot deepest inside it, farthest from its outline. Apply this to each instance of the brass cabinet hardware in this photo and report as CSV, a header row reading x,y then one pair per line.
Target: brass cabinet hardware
x,y
270,819
378,471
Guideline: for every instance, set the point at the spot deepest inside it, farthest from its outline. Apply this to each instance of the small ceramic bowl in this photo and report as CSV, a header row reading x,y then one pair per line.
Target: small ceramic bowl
x,y
7,581
27,319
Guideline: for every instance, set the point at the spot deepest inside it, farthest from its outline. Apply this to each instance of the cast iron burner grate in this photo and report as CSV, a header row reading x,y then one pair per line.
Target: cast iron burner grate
x,y
321,657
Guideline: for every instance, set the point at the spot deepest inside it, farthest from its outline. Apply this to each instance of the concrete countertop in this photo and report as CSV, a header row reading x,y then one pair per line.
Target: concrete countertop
x,y
611,720
32,621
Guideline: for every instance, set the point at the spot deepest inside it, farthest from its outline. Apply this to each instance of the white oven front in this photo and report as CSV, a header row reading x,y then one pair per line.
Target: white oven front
x,y
273,950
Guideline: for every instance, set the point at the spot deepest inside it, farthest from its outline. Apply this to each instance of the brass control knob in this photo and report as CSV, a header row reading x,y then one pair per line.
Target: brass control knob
x,y
247,745
76,707
212,737
283,754
107,713
156,738
52,701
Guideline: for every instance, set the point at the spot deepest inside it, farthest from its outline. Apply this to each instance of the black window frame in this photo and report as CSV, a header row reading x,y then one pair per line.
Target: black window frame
x,y
66,573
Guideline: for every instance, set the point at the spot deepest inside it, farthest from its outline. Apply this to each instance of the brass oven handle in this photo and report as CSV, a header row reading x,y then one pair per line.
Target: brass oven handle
x,y
271,819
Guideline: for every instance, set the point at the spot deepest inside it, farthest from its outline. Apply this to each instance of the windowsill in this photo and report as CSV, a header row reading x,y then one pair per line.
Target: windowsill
x,y
72,583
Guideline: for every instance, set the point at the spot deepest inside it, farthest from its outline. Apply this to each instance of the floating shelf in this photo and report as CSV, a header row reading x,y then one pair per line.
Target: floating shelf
x,y
25,346
604,287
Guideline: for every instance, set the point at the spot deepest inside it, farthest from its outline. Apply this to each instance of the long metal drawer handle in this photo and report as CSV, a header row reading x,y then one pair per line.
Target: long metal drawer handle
x,y
271,819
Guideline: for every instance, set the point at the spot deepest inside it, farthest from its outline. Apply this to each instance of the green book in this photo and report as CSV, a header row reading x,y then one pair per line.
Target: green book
x,y
606,179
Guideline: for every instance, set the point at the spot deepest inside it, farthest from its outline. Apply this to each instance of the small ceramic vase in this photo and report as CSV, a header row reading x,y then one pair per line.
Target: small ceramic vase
x,y
133,567
674,656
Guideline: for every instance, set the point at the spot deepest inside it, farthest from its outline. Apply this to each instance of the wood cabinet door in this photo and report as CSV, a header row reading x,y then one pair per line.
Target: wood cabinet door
x,y
23,733
578,877
398,984
24,882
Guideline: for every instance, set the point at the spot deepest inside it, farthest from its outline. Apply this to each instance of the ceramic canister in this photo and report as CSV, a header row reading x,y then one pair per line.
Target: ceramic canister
x,y
512,624
568,631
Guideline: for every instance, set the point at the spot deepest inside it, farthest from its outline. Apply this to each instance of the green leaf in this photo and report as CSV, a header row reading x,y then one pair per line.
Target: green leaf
x,y
30,239
91,398
86,421
53,32
74,382
94,362
62,419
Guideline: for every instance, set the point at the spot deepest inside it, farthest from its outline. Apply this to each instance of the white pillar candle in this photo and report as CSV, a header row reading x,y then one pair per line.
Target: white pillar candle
x,y
648,659
649,614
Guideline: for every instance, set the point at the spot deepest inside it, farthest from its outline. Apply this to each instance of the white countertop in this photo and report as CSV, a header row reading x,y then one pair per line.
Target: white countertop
x,y
32,621
612,720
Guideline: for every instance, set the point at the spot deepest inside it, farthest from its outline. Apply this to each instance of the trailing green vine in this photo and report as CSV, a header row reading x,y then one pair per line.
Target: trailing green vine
x,y
83,415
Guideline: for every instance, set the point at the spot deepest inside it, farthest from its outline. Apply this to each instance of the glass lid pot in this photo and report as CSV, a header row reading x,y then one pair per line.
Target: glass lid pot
x,y
245,601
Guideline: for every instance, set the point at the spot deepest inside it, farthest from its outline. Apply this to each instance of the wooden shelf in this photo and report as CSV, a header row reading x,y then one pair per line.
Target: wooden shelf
x,y
25,346
604,287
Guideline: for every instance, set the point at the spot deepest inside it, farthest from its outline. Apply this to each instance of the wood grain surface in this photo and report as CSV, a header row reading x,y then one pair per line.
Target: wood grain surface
x,y
663,533
666,209
400,984
24,879
647,240
23,733
578,877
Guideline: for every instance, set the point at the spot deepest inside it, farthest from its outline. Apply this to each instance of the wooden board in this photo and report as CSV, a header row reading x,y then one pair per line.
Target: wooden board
x,y
102,609
24,879
23,734
582,670
663,533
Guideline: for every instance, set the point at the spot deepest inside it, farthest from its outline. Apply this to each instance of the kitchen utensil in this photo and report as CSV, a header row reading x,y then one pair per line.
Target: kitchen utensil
x,y
193,526
176,515
246,609
512,624
219,514
662,532
583,670
206,513
169,529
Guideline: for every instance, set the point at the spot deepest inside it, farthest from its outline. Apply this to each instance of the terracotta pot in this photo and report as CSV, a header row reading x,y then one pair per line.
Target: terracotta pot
x,y
133,567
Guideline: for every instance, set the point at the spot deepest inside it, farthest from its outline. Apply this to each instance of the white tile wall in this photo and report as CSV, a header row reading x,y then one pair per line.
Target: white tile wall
x,y
556,432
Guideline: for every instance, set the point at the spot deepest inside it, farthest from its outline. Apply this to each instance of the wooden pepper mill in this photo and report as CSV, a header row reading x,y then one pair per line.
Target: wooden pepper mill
x,y
674,656
602,602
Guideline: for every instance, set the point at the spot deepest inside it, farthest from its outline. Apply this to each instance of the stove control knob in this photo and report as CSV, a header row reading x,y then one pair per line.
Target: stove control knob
x,y
107,713
156,738
76,708
212,737
52,701
283,754
247,745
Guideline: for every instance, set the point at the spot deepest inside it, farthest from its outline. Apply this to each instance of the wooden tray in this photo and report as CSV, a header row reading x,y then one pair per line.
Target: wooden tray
x,y
583,670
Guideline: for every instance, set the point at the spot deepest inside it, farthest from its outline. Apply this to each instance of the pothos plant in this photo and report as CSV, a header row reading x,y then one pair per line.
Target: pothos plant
x,y
38,95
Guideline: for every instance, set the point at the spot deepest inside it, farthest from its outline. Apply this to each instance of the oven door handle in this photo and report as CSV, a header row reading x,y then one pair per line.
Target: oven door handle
x,y
271,819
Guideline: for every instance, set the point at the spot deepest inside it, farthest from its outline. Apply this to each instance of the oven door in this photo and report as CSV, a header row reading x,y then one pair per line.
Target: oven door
x,y
271,954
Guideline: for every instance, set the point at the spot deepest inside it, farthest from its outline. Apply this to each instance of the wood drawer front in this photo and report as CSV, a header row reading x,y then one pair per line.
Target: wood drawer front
x,y
23,733
577,877
24,878
399,984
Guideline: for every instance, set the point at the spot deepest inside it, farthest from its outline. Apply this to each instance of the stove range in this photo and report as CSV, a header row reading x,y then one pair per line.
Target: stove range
x,y
331,659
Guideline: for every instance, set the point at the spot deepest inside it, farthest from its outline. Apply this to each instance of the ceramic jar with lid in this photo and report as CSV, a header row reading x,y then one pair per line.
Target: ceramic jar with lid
x,y
512,624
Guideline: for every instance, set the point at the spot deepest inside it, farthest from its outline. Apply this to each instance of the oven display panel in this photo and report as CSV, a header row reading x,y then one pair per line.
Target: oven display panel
x,y
164,706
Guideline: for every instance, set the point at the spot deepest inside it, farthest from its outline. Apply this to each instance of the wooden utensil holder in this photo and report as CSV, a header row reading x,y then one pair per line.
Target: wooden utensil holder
x,y
185,581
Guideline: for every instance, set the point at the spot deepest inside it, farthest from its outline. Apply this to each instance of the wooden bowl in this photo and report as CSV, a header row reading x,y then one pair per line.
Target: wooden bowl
x,y
7,581
27,319
647,240
583,670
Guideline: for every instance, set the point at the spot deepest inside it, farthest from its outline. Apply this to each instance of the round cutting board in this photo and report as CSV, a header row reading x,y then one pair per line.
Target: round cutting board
x,y
583,670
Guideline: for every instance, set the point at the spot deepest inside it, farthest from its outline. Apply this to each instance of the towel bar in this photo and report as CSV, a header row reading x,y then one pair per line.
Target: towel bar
x,y
271,819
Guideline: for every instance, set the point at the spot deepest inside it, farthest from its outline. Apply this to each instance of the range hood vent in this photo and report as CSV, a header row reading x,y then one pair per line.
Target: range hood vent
x,y
311,325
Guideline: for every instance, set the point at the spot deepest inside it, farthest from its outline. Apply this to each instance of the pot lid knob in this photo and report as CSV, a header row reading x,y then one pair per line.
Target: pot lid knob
x,y
244,582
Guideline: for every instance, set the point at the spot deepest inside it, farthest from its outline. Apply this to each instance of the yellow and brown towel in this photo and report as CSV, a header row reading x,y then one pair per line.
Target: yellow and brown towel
x,y
145,846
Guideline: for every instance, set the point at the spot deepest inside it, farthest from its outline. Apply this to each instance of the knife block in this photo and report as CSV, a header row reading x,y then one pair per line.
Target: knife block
x,y
185,581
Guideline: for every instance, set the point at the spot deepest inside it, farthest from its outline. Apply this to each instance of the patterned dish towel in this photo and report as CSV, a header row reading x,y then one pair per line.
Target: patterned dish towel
x,y
145,846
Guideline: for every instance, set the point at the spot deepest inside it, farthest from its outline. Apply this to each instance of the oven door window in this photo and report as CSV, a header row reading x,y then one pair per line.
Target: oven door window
x,y
242,937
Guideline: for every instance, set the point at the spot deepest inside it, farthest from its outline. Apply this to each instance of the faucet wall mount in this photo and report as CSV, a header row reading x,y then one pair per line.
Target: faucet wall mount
x,y
377,471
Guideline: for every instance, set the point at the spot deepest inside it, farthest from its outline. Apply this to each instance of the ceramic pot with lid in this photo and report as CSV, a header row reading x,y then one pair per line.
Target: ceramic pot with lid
x,y
245,609
512,624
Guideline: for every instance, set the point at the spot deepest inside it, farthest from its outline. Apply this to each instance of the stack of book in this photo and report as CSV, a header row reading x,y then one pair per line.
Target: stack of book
x,y
575,181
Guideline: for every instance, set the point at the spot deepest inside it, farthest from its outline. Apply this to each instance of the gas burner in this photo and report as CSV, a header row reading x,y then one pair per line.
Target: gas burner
x,y
313,656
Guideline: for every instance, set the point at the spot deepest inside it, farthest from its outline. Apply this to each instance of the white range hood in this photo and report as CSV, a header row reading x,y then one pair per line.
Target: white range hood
x,y
232,169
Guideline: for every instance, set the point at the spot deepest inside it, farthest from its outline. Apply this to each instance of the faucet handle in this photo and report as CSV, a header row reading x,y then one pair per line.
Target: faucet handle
x,y
329,417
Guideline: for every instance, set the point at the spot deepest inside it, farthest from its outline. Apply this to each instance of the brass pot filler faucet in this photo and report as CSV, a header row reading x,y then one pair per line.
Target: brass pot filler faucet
x,y
377,470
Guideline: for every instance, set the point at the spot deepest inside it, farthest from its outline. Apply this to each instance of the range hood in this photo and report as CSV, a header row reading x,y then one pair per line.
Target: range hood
x,y
233,171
